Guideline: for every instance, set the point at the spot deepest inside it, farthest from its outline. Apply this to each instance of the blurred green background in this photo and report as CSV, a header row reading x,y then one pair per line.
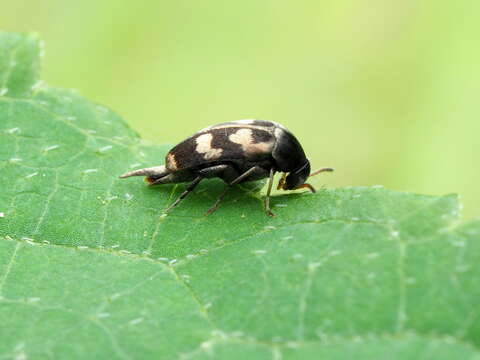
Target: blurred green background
x,y
384,91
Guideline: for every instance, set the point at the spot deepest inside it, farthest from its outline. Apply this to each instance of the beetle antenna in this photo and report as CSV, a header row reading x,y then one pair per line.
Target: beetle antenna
x,y
320,171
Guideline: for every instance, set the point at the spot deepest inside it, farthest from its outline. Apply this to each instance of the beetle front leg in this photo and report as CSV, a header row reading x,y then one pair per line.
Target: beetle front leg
x,y
269,190
235,181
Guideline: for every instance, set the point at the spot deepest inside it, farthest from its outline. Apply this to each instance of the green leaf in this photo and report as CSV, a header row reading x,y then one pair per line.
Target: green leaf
x,y
91,267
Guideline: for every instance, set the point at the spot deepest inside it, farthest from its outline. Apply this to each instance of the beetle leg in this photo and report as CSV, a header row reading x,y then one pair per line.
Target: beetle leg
x,y
269,190
224,172
236,181
187,191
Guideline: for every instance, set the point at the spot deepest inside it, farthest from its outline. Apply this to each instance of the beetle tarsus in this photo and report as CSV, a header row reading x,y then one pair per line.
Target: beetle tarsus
x,y
308,186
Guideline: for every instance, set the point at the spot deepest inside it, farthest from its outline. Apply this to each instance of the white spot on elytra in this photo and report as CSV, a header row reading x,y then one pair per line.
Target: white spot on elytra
x,y
279,132
245,121
171,162
204,146
244,138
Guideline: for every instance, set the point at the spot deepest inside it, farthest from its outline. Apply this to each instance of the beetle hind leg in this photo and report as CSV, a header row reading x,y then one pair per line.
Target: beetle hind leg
x,y
246,174
187,191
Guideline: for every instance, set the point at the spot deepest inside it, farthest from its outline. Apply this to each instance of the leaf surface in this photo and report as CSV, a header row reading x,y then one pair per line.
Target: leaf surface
x,y
91,267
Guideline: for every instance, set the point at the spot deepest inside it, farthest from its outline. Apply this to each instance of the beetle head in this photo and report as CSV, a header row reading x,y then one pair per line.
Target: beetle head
x,y
296,179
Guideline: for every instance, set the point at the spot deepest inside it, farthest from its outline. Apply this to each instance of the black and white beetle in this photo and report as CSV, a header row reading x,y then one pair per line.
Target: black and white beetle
x,y
236,152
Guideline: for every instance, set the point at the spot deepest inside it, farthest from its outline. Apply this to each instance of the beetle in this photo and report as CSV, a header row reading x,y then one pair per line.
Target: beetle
x,y
236,152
